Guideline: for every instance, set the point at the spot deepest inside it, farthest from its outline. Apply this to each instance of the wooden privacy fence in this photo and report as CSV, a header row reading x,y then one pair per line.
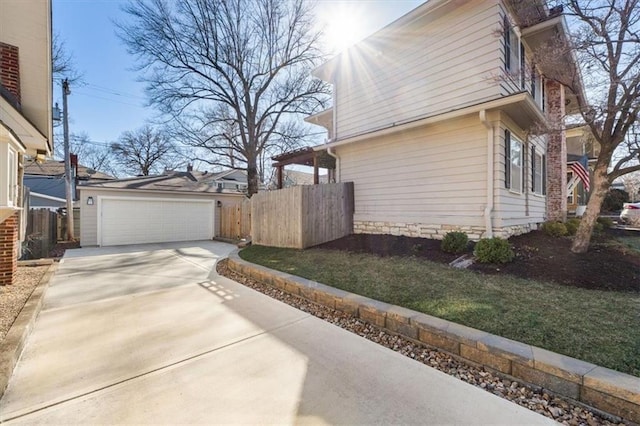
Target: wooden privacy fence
x,y
235,220
302,216
42,232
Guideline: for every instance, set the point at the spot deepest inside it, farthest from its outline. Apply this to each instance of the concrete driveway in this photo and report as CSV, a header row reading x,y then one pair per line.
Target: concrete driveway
x,y
151,334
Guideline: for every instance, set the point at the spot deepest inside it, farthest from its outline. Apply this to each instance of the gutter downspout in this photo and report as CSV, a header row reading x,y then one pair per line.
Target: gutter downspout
x,y
488,210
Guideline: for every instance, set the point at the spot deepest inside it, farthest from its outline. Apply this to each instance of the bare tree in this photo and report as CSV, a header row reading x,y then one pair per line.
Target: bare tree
x,y
606,45
94,155
233,73
63,65
146,151
631,183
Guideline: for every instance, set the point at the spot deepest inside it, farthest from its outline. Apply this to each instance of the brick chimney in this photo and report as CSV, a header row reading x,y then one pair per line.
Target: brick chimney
x,y
10,72
556,154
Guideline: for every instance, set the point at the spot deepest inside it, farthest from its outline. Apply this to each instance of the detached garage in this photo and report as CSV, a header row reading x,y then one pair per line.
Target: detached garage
x,y
179,206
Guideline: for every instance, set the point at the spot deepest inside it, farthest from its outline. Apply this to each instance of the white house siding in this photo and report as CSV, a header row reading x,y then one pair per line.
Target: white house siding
x,y
89,214
423,182
515,213
423,69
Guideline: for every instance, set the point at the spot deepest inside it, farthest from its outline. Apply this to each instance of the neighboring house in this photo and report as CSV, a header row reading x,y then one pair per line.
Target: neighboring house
x,y
46,181
174,206
580,144
25,113
433,120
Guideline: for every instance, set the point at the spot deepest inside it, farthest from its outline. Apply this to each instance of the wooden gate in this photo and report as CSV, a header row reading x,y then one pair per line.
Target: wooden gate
x,y
235,220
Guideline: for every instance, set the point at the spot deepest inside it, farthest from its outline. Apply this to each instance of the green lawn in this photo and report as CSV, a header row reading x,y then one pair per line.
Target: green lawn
x,y
595,326
632,242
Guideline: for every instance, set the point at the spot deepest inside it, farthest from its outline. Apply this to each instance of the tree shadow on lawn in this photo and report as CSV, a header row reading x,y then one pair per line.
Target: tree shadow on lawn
x,y
608,265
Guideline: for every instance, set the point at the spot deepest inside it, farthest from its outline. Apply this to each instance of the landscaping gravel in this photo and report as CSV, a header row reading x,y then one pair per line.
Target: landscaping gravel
x,y
538,400
14,296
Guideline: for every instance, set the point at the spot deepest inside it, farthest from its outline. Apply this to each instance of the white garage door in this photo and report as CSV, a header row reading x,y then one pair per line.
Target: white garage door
x,y
139,221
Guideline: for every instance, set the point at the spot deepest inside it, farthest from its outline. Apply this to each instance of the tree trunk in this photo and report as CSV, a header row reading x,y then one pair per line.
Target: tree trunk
x,y
600,186
252,177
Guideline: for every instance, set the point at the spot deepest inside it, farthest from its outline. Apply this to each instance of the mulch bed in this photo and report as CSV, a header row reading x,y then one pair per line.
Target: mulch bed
x,y
606,266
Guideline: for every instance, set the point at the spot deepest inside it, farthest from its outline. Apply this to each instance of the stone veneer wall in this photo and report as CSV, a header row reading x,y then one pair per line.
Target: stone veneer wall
x,y
423,230
8,249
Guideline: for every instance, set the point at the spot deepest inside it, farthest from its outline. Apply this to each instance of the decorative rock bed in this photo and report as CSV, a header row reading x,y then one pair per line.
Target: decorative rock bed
x,y
554,385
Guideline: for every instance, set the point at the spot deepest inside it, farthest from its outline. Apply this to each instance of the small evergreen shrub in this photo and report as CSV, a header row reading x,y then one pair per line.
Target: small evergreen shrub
x,y
554,229
606,222
454,242
493,250
572,225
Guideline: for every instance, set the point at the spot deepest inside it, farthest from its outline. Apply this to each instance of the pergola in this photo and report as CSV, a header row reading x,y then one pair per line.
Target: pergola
x,y
304,157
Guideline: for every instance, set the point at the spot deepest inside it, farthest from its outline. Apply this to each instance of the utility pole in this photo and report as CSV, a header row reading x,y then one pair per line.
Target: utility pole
x,y
67,159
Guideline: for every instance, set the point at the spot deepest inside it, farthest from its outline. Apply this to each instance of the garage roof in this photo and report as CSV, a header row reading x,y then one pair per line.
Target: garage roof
x,y
190,181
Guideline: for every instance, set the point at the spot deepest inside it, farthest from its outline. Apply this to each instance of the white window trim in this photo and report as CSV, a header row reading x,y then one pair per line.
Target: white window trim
x,y
12,163
539,159
515,139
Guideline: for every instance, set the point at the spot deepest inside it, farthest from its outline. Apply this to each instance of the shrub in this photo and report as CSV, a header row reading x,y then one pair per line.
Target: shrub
x,y
606,222
555,229
493,250
614,200
454,242
572,225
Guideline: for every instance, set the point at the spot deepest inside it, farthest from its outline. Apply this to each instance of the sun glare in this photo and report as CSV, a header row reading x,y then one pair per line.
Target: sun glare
x,y
342,26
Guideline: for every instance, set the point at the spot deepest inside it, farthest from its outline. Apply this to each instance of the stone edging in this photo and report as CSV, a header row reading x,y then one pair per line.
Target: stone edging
x,y
605,389
16,337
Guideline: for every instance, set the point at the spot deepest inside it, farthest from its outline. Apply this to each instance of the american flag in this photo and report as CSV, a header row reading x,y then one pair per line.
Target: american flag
x,y
581,169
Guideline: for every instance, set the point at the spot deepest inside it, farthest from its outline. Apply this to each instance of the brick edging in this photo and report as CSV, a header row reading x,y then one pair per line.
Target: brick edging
x,y
605,389
15,339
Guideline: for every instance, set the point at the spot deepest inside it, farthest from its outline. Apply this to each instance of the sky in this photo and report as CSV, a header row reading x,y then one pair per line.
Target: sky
x,y
111,100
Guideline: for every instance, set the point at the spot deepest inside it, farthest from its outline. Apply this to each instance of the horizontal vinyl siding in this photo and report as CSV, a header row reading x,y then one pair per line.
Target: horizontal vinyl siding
x,y
431,175
512,209
433,68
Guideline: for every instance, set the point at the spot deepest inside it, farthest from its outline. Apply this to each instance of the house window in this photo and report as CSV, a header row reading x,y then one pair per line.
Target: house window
x,y
537,177
523,67
13,178
513,162
570,198
220,185
544,174
507,43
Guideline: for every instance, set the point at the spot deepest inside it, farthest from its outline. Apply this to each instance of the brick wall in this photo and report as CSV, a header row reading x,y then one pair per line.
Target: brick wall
x,y
10,70
556,154
8,249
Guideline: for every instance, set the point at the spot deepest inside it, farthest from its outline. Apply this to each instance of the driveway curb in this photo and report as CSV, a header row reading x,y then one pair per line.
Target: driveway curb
x,y
17,336
605,389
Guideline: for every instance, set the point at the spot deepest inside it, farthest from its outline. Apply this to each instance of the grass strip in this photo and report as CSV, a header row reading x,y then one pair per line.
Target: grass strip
x,y
596,326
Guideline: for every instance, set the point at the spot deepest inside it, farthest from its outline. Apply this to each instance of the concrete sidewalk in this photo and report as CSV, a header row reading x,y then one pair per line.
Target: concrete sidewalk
x,y
151,334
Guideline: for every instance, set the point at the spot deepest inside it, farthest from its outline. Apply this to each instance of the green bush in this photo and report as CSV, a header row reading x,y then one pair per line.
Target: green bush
x,y
614,200
493,250
572,225
555,229
454,242
606,222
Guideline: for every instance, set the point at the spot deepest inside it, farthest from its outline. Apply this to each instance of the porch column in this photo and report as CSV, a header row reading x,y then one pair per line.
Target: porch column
x,y
316,174
556,153
280,177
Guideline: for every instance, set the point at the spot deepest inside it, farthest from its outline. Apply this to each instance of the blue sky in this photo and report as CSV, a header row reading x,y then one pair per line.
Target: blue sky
x,y
111,100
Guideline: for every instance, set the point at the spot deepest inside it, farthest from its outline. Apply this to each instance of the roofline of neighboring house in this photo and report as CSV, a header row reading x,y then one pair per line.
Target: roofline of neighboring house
x,y
423,121
47,197
158,191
